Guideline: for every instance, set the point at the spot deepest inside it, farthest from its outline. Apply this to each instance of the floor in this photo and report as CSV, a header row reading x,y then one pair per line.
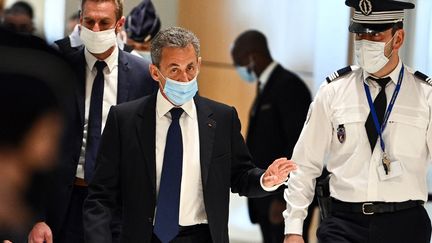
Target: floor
x,y
241,230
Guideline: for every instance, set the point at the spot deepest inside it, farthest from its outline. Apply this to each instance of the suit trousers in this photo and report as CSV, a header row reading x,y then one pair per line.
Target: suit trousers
x,y
405,226
73,230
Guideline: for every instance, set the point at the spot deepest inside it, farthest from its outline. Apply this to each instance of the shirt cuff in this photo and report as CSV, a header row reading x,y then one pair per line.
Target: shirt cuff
x,y
269,189
293,226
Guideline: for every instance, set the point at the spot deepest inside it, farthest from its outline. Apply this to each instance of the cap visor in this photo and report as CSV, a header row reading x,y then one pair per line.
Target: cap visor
x,y
369,28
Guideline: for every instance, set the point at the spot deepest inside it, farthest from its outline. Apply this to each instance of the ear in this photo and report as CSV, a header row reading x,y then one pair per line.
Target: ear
x,y
199,63
154,72
399,39
120,24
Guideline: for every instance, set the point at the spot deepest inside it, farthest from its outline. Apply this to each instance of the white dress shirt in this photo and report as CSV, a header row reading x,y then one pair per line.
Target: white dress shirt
x,y
192,209
355,168
109,95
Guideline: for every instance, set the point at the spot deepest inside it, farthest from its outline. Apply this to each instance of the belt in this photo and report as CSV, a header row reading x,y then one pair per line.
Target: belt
x,y
191,229
370,208
80,182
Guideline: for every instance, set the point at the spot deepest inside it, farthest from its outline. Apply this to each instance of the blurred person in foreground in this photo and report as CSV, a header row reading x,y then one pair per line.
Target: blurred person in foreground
x,y
1,8
37,87
372,125
171,158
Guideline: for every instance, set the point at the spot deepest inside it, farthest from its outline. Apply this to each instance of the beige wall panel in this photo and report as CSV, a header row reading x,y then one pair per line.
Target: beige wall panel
x,y
224,85
212,21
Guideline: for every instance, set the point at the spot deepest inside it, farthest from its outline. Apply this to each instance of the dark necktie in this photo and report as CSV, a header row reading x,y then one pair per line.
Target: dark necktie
x,y
258,88
94,121
167,214
380,104
255,102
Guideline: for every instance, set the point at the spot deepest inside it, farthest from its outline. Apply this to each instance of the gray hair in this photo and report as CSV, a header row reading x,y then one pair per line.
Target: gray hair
x,y
172,37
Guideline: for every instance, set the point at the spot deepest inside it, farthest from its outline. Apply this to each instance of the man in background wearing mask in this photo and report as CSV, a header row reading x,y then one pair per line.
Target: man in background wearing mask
x,y
275,121
171,158
141,26
372,125
108,76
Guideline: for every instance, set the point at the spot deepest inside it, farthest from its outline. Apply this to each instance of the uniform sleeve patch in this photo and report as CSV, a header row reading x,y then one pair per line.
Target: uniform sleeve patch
x,y
339,73
423,77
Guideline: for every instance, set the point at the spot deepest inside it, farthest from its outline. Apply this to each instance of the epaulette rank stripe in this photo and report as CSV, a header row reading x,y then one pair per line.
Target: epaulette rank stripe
x,y
338,73
423,77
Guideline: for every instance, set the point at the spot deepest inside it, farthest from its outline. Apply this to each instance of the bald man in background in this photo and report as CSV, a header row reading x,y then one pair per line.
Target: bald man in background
x,y
275,121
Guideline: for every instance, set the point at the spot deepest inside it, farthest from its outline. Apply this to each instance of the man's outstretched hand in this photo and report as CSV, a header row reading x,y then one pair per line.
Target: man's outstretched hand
x,y
278,172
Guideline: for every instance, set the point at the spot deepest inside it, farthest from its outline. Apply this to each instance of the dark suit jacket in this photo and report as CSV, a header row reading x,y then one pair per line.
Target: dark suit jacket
x,y
126,164
275,123
134,81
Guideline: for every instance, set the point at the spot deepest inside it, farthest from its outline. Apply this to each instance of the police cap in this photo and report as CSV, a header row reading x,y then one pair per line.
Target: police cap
x,y
142,23
372,16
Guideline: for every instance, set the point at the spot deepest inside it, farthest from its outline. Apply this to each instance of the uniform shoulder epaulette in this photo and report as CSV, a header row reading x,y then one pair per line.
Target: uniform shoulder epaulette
x,y
423,77
339,73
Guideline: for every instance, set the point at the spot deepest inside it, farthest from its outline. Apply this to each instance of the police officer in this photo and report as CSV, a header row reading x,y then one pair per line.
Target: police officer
x,y
142,24
372,125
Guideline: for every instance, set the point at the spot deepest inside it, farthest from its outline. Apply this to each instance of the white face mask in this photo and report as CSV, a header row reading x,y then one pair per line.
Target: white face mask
x,y
370,55
98,42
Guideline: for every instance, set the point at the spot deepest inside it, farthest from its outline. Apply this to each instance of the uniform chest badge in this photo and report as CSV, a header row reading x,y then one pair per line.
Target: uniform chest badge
x,y
341,133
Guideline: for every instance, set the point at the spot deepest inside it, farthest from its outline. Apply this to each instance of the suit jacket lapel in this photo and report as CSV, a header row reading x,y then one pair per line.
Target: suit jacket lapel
x,y
146,132
123,81
266,92
272,78
207,128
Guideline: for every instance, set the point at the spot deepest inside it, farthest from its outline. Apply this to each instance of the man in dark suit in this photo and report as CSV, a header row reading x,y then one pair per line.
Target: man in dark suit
x,y
170,159
275,122
108,76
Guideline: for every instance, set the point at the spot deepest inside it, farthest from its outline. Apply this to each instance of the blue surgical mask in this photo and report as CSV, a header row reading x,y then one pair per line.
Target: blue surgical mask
x,y
246,74
180,92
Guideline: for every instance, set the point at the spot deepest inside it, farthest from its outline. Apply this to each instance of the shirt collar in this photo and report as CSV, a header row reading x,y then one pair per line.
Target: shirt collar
x,y
111,60
163,106
394,75
265,75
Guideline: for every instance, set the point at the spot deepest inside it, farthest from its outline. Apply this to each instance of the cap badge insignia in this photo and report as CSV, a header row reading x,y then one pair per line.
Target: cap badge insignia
x,y
365,7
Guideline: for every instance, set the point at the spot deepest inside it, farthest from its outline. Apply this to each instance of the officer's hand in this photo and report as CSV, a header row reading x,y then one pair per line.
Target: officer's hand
x,y
278,172
40,233
292,238
275,211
